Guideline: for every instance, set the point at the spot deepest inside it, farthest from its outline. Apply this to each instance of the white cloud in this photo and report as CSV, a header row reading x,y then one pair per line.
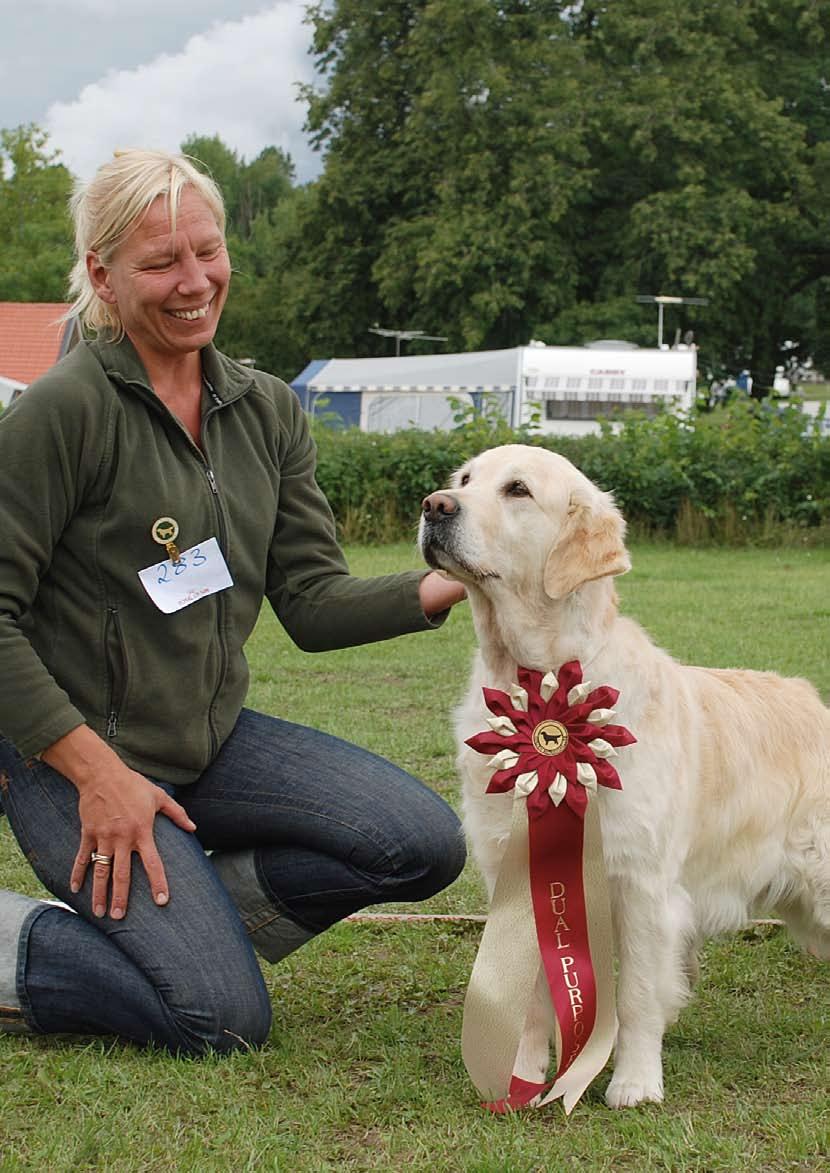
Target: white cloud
x,y
238,79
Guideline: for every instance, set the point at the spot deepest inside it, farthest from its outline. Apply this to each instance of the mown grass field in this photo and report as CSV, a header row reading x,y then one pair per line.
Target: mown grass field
x,y
363,1069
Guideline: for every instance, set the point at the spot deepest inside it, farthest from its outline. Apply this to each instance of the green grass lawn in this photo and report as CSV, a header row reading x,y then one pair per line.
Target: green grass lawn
x,y
363,1069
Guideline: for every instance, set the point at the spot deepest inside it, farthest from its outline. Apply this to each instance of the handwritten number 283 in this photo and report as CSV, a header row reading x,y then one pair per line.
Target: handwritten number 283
x,y
198,559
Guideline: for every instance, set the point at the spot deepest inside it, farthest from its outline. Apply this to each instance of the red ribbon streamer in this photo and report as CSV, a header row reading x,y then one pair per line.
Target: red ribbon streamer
x,y
558,894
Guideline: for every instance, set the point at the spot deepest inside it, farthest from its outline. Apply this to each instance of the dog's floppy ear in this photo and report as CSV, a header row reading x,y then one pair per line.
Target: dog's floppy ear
x,y
590,546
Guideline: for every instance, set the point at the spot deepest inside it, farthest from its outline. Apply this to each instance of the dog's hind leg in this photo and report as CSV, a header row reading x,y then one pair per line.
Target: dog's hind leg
x,y
653,928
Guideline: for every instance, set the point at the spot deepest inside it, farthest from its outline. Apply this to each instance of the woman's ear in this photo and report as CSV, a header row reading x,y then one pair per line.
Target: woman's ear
x,y
590,546
99,276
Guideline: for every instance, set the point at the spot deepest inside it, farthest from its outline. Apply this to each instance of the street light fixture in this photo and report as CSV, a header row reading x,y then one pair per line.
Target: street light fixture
x,y
661,300
406,335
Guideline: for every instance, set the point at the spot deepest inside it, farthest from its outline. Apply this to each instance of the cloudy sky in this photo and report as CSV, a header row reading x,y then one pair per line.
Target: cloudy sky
x,y
101,74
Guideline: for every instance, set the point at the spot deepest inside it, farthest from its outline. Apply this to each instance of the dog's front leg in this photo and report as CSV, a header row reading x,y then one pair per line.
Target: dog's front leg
x,y
533,1056
647,949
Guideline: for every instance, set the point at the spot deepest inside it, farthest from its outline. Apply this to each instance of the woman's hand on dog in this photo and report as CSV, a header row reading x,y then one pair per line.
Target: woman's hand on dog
x,y
439,593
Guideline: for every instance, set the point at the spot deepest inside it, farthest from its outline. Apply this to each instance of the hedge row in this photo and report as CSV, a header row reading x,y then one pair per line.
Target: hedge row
x,y
739,473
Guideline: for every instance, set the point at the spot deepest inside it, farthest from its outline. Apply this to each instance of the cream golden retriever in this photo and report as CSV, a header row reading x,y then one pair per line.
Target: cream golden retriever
x,y
725,806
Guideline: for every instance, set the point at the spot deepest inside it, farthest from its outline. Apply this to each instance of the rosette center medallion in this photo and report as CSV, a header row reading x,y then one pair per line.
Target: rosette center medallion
x,y
550,738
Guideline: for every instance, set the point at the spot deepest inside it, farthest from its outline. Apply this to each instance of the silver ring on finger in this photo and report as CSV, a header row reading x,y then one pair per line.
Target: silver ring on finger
x,y
97,857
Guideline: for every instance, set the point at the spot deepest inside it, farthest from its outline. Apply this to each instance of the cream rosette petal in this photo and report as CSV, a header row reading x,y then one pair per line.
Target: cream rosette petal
x,y
526,783
548,686
587,775
558,789
505,759
518,696
600,716
502,725
602,748
579,692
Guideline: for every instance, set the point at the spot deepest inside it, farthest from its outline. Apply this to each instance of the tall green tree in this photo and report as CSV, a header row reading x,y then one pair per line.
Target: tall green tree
x,y
35,227
709,138
514,168
454,160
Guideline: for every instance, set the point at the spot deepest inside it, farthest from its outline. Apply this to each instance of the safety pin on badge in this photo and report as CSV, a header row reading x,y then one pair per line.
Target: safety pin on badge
x,y
165,530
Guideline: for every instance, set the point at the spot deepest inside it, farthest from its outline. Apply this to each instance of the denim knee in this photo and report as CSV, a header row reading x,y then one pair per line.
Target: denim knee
x,y
436,858
225,1021
448,859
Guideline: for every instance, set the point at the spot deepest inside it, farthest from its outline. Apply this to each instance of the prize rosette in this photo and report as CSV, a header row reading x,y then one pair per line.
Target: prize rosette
x,y
550,740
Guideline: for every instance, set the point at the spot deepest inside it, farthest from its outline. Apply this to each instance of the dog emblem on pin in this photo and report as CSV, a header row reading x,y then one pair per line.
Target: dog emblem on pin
x,y
550,738
164,530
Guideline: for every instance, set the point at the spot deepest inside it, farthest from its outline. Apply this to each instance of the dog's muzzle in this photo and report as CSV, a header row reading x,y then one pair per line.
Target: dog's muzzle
x,y
439,513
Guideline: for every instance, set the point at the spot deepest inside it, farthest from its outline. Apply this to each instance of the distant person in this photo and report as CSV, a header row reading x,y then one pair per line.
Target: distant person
x,y
744,382
154,492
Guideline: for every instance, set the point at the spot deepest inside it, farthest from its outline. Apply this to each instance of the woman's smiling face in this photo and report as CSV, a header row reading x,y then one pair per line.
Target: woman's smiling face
x,y
169,288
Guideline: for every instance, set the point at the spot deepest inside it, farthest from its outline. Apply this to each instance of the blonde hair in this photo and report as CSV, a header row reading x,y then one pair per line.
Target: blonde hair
x,y
109,207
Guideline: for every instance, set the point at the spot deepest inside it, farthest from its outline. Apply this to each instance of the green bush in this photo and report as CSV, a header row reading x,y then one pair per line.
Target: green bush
x,y
746,472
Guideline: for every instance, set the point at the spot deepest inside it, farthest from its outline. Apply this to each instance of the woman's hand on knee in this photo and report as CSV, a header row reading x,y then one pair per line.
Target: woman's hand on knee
x,y
117,808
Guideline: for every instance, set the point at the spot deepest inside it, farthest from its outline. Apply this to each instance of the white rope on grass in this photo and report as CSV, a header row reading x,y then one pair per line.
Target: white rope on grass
x,y
415,916
463,916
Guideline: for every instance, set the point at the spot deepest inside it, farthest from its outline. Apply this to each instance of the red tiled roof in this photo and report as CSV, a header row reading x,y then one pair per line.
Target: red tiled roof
x,y
31,337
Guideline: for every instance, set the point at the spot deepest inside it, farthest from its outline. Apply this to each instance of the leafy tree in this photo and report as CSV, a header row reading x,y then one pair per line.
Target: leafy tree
x,y
709,145
514,168
35,226
454,160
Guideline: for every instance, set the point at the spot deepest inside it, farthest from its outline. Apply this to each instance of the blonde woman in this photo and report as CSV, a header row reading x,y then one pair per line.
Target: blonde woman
x,y
154,492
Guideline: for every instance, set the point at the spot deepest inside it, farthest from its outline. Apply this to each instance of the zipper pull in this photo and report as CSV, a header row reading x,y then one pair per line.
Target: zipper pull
x,y
211,391
212,481
112,725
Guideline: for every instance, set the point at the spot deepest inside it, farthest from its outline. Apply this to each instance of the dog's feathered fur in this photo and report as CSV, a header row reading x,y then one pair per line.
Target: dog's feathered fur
x,y
725,807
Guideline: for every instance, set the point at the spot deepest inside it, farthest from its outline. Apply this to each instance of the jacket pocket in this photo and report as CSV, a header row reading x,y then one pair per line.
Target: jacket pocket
x,y
117,669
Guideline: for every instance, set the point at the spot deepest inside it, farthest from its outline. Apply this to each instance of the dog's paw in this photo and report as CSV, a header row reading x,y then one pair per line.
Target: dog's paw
x,y
626,1093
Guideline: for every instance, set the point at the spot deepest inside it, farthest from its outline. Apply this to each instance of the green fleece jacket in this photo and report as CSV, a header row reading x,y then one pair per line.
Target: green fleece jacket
x,y
89,459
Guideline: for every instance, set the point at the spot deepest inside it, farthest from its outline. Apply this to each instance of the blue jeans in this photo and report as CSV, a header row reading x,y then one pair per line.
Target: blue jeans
x,y
303,829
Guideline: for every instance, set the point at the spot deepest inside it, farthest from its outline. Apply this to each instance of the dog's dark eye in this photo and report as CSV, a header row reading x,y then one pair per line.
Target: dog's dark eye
x,y
517,489
465,479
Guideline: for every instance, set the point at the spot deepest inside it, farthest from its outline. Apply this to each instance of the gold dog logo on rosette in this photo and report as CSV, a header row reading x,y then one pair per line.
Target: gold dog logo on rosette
x,y
550,738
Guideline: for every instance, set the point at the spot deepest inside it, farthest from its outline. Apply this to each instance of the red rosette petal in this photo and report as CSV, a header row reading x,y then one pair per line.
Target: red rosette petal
x,y
569,675
504,779
539,802
498,702
607,775
603,697
577,799
490,742
530,680
616,735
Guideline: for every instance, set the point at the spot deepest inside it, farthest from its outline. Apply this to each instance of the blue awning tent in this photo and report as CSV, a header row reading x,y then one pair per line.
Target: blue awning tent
x,y
385,394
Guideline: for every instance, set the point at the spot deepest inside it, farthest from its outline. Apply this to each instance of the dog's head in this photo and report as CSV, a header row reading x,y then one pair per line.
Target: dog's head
x,y
524,518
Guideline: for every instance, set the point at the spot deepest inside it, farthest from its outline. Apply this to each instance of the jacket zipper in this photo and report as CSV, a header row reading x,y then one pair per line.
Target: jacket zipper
x,y
220,597
116,694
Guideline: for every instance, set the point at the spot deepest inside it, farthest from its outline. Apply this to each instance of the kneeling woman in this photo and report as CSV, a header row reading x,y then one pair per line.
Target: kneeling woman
x,y
154,492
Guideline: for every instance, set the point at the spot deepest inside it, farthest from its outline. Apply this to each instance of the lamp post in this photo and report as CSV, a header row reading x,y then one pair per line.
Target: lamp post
x,y
661,300
406,335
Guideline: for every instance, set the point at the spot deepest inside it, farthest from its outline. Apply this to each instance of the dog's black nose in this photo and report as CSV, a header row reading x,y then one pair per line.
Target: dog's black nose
x,y
438,505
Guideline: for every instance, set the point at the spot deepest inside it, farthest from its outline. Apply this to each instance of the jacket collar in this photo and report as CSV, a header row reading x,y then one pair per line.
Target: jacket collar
x,y
228,379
